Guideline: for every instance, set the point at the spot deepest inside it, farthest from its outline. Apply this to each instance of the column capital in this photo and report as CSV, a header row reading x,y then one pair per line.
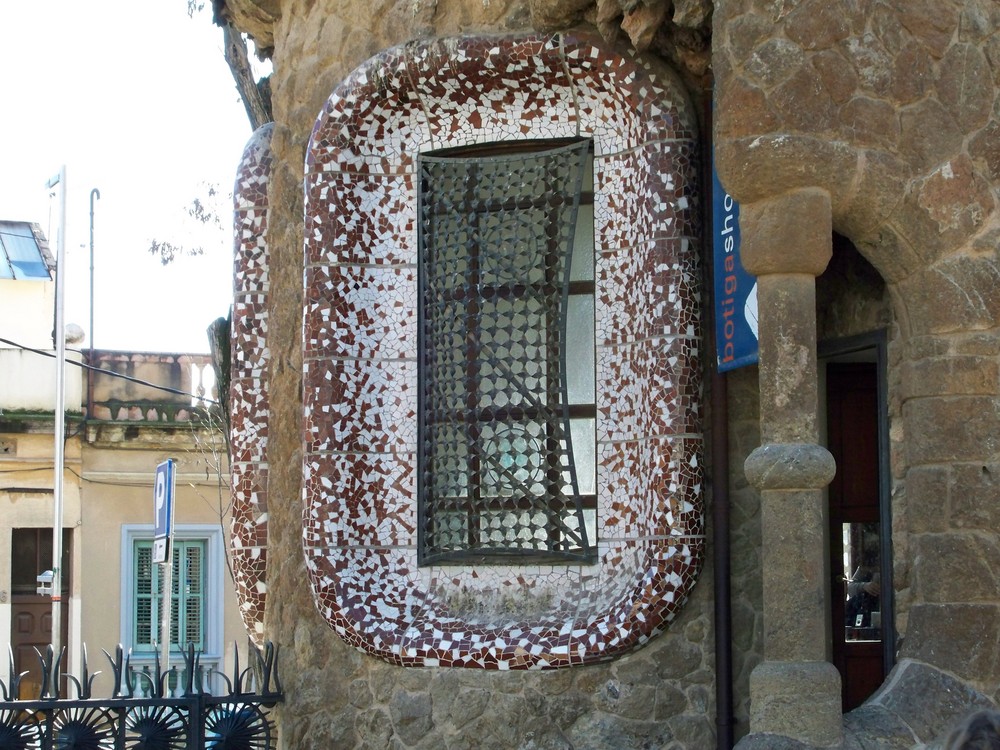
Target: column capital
x,y
790,466
788,233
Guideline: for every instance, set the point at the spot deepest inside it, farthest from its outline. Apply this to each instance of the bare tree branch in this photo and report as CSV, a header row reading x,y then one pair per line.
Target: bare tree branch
x,y
256,96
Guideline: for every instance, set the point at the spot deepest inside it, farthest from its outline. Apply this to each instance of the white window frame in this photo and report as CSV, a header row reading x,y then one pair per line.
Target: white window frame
x,y
215,567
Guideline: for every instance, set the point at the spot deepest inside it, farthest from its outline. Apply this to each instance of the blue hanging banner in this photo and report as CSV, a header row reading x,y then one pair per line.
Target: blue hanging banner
x,y
735,289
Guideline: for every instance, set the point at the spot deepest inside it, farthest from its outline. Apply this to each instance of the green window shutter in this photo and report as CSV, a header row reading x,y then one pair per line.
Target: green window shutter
x,y
191,591
187,611
143,624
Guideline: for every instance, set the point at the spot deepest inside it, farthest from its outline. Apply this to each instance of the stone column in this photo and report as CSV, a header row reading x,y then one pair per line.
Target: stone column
x,y
795,691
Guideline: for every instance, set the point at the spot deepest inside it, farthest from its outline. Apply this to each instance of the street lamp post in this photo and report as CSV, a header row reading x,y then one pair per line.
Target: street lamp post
x,y
95,193
59,427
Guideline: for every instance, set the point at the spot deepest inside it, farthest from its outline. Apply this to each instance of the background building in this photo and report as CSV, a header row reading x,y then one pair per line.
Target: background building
x,y
137,412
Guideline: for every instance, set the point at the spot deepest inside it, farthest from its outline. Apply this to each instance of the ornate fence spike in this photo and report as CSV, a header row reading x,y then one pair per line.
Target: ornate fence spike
x,y
161,677
14,680
116,669
192,664
50,673
150,718
268,666
237,675
85,685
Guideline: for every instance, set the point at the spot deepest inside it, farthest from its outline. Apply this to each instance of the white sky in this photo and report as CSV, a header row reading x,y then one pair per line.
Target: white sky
x,y
136,100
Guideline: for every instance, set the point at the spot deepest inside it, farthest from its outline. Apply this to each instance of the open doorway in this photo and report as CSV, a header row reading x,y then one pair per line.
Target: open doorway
x,y
863,639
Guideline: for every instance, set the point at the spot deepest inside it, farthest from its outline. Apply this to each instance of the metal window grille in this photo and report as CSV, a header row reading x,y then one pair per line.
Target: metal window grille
x,y
498,477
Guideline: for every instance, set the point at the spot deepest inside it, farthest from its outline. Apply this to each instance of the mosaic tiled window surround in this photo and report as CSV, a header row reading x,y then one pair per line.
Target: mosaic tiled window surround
x,y
248,385
359,351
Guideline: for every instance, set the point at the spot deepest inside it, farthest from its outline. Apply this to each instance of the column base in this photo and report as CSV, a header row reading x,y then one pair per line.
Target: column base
x,y
799,700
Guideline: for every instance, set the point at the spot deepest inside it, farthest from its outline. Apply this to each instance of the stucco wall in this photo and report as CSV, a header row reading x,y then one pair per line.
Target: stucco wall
x,y
18,296
117,490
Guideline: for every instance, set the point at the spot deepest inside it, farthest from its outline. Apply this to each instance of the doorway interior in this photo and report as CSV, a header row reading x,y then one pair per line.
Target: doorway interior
x,y
859,514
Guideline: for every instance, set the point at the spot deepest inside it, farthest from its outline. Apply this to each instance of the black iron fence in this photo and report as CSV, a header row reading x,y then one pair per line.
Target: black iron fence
x,y
149,709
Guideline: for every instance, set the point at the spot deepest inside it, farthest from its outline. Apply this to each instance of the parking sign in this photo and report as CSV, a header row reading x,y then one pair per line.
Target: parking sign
x,y
163,511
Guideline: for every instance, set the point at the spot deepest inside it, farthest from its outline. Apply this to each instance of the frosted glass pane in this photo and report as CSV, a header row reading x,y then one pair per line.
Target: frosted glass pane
x,y
582,268
580,365
583,432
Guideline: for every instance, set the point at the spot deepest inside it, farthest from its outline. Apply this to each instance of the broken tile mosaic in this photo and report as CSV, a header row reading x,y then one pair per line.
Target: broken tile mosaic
x,y
248,385
360,351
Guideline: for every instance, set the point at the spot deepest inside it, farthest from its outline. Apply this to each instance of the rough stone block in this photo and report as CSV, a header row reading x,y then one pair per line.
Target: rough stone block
x,y
984,148
920,347
790,466
959,428
871,722
951,376
964,86
927,499
756,167
799,700
958,637
836,73
788,390
926,699
805,85
978,21
774,61
980,344
932,21
795,626
974,492
942,211
749,113
928,134
890,253
597,731
817,26
411,715
956,567
768,236
911,73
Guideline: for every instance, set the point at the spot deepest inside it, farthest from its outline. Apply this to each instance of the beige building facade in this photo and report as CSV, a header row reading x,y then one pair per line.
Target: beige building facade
x,y
113,446
739,516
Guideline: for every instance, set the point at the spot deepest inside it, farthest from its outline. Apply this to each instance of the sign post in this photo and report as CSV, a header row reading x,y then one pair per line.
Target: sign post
x,y
163,529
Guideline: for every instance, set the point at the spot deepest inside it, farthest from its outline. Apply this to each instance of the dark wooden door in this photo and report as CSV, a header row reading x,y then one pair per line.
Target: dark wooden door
x,y
31,614
31,628
855,533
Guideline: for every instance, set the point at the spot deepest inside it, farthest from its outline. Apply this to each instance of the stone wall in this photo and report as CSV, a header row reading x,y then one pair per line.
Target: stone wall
x,y
892,109
662,695
889,108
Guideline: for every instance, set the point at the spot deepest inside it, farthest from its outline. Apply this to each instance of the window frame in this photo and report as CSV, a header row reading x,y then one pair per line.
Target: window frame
x,y
577,501
213,608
